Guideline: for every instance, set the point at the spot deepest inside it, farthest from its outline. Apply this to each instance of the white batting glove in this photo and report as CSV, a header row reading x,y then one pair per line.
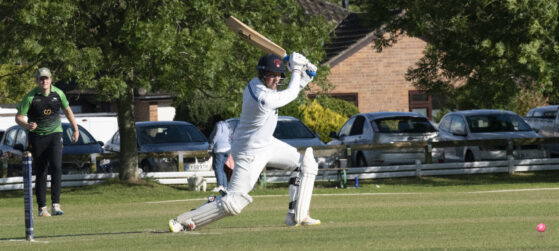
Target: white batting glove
x,y
297,62
306,78
310,67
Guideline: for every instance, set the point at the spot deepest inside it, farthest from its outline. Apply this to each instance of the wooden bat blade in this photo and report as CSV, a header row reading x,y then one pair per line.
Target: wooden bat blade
x,y
253,37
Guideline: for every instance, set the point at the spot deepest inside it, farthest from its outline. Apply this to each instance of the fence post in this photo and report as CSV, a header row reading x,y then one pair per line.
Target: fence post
x,y
341,174
429,153
180,158
418,168
4,170
263,179
348,155
93,166
510,156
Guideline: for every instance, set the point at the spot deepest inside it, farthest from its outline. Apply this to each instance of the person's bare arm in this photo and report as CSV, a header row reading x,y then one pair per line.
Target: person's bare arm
x,y
20,120
70,115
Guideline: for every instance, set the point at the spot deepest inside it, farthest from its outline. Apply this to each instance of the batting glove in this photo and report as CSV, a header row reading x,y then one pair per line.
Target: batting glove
x,y
297,62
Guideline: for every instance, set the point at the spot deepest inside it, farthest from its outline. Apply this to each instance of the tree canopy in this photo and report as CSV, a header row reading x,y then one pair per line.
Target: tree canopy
x,y
180,47
484,53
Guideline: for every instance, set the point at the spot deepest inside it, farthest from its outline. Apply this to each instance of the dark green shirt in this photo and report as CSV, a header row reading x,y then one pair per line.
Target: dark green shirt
x,y
43,110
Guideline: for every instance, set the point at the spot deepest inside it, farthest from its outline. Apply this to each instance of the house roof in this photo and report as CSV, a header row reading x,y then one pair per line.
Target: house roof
x,y
350,34
331,12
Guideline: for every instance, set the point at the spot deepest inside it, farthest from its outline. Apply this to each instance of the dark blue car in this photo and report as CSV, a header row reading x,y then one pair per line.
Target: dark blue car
x,y
15,142
166,136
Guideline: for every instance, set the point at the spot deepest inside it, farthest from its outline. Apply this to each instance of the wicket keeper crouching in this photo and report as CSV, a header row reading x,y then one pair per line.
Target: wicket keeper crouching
x,y
254,147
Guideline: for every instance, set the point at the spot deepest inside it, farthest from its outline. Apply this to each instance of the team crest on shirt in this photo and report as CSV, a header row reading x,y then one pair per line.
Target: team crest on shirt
x,y
47,112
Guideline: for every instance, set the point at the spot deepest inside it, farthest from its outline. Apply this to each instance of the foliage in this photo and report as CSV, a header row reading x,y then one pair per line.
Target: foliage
x,y
180,47
14,86
494,48
321,120
342,107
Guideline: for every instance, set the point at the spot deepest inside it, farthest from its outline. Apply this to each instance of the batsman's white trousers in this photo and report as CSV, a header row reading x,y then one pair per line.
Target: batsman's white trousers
x,y
248,166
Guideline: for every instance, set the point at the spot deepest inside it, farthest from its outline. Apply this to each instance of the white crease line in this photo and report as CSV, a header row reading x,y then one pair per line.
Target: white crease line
x,y
518,190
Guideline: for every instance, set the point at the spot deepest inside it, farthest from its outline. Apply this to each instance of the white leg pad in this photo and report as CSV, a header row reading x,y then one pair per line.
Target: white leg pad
x,y
230,204
309,170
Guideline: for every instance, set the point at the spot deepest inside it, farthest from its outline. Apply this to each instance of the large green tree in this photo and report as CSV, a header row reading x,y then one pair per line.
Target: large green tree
x,y
181,47
481,52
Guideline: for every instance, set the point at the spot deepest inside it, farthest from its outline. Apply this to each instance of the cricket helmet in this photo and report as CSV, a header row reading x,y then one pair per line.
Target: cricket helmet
x,y
270,63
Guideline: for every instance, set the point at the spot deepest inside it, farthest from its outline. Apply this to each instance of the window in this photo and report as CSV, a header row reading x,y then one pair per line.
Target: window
x,y
457,125
22,138
425,104
357,127
344,131
10,137
404,125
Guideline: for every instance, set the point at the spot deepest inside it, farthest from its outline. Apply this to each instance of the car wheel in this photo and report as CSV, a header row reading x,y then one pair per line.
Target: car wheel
x,y
361,162
145,166
469,157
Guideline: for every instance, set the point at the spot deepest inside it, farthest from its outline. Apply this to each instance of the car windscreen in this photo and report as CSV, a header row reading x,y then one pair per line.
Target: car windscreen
x,y
292,129
85,137
496,123
403,125
160,134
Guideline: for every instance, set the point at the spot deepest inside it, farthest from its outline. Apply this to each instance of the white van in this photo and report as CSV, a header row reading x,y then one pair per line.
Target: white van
x,y
101,125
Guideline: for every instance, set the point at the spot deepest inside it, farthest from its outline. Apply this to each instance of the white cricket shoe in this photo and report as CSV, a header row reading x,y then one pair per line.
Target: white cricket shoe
x,y
56,209
217,189
43,212
290,221
175,226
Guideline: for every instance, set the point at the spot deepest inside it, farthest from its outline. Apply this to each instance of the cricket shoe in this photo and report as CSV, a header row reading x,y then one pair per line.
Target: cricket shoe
x,y
43,212
175,226
217,189
56,209
290,221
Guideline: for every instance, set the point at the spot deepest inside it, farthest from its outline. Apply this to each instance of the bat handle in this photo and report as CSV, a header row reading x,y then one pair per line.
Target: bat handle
x,y
310,73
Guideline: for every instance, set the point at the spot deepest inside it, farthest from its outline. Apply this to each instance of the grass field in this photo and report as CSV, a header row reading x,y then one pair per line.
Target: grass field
x,y
496,212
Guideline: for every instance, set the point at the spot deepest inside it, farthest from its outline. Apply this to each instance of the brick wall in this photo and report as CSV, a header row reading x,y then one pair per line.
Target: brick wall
x,y
379,78
145,111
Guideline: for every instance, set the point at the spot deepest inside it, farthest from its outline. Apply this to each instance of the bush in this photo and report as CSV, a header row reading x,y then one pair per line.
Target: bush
x,y
321,120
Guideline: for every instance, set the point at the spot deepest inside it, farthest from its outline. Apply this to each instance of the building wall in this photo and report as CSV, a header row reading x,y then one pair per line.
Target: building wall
x,y
379,78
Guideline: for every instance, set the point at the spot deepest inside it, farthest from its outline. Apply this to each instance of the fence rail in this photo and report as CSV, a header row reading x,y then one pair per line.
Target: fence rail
x,y
338,153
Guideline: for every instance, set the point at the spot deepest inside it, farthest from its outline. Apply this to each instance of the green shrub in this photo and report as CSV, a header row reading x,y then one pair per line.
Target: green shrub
x,y
321,120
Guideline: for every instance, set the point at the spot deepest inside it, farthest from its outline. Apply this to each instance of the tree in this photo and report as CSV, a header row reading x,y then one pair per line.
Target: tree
x,y
182,47
492,49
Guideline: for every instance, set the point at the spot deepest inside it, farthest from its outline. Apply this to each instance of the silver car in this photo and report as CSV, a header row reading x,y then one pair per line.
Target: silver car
x,y
387,127
486,124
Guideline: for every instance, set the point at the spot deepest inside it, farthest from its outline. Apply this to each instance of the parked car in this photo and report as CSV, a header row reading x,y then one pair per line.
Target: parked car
x,y
15,142
544,120
165,136
486,124
386,127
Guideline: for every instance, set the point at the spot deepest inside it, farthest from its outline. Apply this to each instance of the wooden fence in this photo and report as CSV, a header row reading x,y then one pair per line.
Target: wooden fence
x,y
342,172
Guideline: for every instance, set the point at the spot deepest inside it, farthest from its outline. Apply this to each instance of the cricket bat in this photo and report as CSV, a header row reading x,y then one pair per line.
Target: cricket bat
x,y
257,39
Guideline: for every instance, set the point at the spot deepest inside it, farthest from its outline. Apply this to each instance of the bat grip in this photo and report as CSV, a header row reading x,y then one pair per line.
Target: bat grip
x,y
310,73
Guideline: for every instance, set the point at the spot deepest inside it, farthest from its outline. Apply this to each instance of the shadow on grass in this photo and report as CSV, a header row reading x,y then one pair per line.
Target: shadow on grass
x,y
470,179
86,234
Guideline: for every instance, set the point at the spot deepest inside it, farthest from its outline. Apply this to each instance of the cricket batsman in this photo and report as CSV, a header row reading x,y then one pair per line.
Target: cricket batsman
x,y
254,147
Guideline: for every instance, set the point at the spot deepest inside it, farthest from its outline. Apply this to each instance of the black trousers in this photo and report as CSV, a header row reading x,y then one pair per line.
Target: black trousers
x,y
47,159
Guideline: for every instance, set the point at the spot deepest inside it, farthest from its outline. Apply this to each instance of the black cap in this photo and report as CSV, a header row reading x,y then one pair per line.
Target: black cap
x,y
271,63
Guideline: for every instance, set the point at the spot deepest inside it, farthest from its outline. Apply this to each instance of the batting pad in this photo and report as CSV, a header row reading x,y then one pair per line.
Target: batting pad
x,y
230,204
309,169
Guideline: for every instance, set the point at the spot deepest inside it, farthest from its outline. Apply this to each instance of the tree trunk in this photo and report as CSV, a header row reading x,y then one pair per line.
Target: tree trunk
x,y
128,144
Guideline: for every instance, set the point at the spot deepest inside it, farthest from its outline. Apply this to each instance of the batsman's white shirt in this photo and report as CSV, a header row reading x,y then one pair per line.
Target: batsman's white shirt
x,y
259,114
